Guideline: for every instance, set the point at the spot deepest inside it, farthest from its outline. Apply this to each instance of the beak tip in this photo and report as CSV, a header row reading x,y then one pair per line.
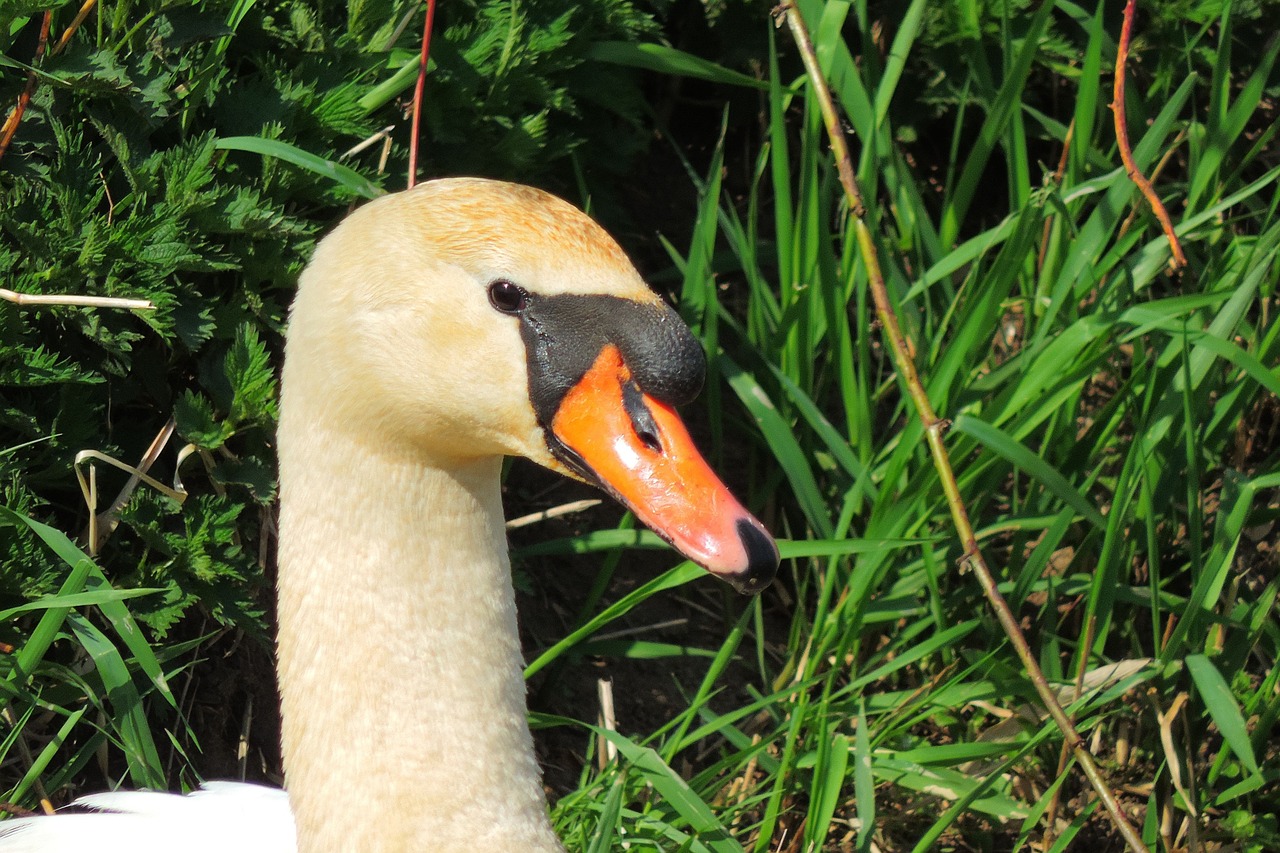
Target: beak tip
x,y
762,558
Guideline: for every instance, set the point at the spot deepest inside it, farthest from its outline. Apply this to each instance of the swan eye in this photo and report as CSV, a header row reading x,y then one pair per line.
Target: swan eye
x,y
508,297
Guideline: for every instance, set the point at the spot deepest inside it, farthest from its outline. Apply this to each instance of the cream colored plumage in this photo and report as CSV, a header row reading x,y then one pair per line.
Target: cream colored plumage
x,y
400,664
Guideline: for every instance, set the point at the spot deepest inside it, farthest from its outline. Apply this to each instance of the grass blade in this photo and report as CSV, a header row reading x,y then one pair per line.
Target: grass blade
x,y
342,175
1222,708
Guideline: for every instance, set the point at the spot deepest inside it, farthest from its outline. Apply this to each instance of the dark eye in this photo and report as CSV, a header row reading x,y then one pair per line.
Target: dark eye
x,y
507,297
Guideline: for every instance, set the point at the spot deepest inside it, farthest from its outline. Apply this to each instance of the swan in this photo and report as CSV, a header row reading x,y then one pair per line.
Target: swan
x,y
435,331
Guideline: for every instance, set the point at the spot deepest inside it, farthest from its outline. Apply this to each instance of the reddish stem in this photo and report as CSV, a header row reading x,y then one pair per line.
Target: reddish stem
x,y
11,123
1122,139
417,94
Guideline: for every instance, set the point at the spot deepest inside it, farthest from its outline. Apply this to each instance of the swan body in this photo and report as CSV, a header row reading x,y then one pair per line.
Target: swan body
x,y
435,331
220,817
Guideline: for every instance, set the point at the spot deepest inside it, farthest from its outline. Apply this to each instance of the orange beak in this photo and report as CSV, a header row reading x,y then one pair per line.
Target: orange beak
x,y
638,449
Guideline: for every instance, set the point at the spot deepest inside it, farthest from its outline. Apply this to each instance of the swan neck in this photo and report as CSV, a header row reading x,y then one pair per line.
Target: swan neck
x,y
400,665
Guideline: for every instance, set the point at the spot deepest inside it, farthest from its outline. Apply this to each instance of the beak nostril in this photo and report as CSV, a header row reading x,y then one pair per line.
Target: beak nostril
x,y
650,440
642,421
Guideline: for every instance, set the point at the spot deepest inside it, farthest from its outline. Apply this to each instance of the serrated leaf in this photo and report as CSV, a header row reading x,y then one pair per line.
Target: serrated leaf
x,y
253,383
197,422
193,321
252,473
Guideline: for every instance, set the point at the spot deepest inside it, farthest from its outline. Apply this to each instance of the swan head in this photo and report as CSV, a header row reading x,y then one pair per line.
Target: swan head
x,y
468,318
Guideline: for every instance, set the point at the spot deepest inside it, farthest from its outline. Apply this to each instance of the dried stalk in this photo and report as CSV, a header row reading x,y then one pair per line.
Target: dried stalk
x,y
1057,182
103,524
78,301
75,25
934,428
368,143
607,719
553,512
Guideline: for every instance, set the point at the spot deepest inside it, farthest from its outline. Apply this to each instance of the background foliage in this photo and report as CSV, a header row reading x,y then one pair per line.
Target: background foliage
x,y
1116,427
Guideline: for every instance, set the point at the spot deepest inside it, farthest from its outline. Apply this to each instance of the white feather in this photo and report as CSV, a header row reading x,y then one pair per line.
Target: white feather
x,y
220,817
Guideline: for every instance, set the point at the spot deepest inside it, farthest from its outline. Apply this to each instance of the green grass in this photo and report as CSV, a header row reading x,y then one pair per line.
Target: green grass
x,y
1098,408
1113,429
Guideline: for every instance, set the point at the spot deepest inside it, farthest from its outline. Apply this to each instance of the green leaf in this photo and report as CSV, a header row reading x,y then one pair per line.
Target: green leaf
x,y
126,704
1000,442
198,424
253,382
1222,708
81,599
676,792
669,60
782,441
342,175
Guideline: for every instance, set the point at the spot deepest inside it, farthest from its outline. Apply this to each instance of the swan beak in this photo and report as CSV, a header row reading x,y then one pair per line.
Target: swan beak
x,y
638,449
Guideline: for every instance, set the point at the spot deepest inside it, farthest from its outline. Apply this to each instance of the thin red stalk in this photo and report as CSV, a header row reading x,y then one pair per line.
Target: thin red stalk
x,y
417,94
1122,139
11,123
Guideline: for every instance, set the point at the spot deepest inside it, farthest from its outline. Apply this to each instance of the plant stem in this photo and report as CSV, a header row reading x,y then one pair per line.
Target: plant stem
x,y
1122,140
417,95
11,123
65,38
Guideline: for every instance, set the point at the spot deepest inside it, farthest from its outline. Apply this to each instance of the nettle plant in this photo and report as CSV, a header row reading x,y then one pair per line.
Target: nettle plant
x,y
124,180
191,155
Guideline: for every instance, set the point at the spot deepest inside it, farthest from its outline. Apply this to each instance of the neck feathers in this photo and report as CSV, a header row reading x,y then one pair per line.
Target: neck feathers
x,y
399,658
